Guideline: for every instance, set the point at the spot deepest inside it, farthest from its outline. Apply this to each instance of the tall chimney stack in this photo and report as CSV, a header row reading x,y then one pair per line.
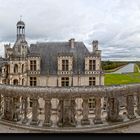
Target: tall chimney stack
x,y
72,43
95,45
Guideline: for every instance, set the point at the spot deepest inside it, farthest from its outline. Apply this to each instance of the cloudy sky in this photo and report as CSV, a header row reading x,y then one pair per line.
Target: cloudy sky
x,y
115,23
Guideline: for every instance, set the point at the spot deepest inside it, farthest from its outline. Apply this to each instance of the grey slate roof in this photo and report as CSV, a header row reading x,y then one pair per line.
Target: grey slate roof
x,y
2,62
51,50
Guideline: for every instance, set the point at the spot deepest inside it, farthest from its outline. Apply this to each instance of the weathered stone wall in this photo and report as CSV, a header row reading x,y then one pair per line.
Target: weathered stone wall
x,y
67,102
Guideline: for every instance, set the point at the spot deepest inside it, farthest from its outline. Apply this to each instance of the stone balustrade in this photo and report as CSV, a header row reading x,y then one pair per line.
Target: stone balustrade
x,y
15,105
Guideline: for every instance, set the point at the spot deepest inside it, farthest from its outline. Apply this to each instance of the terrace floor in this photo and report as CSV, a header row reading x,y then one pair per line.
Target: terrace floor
x,y
129,129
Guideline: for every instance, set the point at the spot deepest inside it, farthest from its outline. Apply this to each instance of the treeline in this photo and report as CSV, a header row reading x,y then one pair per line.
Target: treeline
x,y
109,65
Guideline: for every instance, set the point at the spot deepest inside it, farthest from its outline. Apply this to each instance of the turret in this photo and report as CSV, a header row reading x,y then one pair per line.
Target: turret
x,y
21,45
21,30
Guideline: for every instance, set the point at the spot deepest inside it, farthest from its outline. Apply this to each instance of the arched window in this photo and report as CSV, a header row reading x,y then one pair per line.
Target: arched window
x,y
22,68
15,82
16,68
23,82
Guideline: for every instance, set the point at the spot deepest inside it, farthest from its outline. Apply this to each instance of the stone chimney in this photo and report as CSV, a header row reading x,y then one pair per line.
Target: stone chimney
x,y
6,47
72,43
95,45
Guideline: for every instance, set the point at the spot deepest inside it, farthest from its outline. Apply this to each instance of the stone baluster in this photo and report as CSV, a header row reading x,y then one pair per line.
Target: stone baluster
x,y
16,108
113,110
68,112
85,120
0,105
138,104
130,107
60,113
98,109
8,108
47,121
73,111
25,109
35,112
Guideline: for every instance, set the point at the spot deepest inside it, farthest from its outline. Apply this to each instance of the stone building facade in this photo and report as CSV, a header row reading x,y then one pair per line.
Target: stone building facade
x,y
51,64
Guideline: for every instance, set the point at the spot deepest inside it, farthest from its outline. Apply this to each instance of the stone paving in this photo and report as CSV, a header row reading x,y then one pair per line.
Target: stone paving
x,y
8,129
129,129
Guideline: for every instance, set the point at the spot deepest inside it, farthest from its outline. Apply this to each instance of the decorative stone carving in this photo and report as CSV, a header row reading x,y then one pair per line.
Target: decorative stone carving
x,y
85,120
98,109
16,108
138,104
67,103
8,108
113,110
67,113
25,109
60,113
73,111
47,121
0,105
35,112
130,107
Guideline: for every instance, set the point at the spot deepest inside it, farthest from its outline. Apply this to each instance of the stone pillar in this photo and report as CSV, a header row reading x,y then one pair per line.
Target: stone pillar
x,y
113,110
47,121
98,109
35,113
73,111
8,108
85,120
25,109
130,107
0,105
67,113
16,108
60,112
138,104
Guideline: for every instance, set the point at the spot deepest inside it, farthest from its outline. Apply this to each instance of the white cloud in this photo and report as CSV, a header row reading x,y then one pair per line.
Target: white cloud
x,y
115,23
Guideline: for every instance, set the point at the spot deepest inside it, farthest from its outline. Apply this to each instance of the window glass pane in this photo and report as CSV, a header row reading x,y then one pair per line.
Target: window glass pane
x,y
92,81
65,65
65,81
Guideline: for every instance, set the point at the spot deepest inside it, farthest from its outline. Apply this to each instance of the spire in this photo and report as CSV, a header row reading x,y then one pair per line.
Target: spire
x,y
20,17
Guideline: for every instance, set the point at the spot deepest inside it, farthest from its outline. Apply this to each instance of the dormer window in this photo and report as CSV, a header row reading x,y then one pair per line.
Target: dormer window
x,y
65,65
92,65
33,65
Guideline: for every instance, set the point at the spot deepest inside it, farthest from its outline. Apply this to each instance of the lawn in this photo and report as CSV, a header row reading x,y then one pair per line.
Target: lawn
x,y
119,79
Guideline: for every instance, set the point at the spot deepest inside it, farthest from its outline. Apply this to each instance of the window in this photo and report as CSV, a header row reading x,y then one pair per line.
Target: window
x,y
23,82
15,68
65,81
15,82
65,65
92,65
33,65
31,102
92,103
22,68
33,81
92,81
